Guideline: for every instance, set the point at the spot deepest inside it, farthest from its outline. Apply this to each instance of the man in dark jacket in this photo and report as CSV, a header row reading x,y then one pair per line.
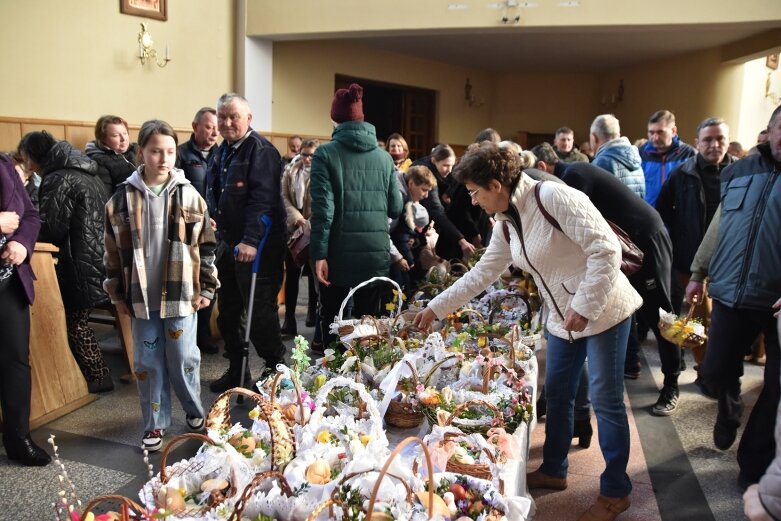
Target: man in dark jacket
x,y
354,192
72,198
745,285
564,145
687,203
193,158
243,187
662,153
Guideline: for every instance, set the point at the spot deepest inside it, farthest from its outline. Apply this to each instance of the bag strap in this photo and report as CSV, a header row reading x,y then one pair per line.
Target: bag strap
x,y
548,217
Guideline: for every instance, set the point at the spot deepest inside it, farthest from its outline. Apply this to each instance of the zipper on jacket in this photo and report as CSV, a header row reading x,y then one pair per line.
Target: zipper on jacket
x,y
753,231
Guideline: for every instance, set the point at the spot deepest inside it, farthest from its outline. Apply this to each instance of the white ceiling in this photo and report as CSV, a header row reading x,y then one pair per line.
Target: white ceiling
x,y
563,49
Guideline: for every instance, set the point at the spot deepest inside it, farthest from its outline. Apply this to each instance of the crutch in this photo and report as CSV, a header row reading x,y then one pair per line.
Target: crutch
x,y
266,220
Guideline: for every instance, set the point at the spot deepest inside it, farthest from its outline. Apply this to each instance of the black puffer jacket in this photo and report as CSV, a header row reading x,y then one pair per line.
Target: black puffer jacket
x,y
72,201
113,168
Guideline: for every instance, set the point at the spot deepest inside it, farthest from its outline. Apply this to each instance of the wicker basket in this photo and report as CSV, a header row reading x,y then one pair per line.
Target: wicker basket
x,y
182,470
373,326
219,418
477,470
481,428
335,502
402,414
304,419
128,509
690,341
251,488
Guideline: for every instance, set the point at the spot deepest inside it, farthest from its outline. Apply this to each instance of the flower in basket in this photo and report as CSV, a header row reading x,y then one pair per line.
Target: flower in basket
x,y
299,356
430,397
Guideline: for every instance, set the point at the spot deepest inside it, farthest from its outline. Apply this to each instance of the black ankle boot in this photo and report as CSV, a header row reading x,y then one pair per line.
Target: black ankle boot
x,y
310,316
289,327
583,432
25,450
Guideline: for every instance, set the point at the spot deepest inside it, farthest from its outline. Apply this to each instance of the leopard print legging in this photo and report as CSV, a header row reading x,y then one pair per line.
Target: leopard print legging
x,y
84,345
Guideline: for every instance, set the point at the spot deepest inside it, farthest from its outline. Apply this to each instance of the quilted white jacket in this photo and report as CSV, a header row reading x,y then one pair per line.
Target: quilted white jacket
x,y
577,269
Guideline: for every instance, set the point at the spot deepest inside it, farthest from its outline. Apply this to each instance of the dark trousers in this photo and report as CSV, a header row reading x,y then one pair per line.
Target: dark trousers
x,y
731,334
292,275
235,280
15,378
366,301
652,282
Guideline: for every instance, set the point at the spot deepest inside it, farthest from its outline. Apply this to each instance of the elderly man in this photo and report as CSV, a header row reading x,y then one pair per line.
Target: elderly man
x,y
616,154
687,204
564,145
244,185
663,151
745,282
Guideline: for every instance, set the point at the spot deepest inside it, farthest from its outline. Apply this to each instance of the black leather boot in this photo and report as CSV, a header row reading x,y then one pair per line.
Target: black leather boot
x,y
26,451
583,432
311,314
289,327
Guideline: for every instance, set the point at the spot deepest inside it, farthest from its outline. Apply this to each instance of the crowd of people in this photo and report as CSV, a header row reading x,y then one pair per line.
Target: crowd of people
x,y
160,230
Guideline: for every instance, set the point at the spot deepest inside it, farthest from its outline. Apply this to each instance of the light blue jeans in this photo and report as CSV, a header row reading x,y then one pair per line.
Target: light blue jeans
x,y
605,353
165,354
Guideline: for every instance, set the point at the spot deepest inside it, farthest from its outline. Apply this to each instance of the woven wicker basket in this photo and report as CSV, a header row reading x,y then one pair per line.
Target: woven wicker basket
x,y
128,509
478,470
690,341
402,414
251,488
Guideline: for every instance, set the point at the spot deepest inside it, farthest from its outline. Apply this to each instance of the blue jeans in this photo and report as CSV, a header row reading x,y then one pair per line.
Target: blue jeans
x,y
165,354
606,352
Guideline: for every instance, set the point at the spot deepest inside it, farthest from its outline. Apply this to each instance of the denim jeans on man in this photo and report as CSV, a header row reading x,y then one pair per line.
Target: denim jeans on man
x,y
165,350
605,353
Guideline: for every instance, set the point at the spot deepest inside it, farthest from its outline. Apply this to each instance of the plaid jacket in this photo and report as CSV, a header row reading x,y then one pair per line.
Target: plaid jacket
x,y
190,270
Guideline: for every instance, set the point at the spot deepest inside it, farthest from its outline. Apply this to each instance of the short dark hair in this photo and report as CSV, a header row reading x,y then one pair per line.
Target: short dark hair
x,y
442,152
203,111
709,122
36,145
488,134
487,161
103,122
545,152
774,115
563,130
662,116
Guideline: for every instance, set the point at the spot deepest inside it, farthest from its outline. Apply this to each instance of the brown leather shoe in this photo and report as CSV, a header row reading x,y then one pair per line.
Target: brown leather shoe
x,y
537,479
606,508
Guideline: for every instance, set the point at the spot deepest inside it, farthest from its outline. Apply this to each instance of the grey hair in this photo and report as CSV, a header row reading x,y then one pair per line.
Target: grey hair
x,y
202,112
606,127
230,97
528,159
710,122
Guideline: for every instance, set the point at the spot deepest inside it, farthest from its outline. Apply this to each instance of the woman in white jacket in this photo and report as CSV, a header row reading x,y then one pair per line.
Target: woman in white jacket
x,y
590,303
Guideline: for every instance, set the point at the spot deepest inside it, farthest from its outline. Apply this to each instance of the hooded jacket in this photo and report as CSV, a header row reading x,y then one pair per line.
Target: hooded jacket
x,y
113,168
658,165
71,207
622,159
189,270
354,192
577,268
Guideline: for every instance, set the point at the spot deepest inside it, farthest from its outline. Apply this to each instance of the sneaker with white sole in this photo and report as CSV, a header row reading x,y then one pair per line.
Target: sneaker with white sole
x,y
667,402
195,424
153,440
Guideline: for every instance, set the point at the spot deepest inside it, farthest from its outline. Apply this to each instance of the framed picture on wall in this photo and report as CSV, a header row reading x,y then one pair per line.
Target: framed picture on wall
x,y
772,61
156,9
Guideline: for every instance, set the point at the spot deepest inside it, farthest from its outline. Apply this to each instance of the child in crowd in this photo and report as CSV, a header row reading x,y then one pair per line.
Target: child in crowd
x,y
160,270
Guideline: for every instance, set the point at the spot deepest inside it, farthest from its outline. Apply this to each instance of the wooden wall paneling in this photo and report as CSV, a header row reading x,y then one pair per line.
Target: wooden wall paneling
x,y
10,135
79,136
56,130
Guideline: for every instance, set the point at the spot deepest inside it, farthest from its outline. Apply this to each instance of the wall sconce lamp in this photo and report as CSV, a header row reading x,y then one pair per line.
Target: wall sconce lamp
x,y
615,98
470,98
146,50
507,17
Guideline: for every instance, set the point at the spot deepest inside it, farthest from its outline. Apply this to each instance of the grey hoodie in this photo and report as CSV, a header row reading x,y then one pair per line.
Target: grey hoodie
x,y
155,231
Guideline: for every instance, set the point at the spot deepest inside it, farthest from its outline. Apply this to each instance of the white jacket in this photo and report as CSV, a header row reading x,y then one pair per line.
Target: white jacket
x,y
577,269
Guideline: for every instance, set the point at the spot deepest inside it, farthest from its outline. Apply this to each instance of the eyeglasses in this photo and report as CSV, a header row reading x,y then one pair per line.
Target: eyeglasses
x,y
473,193
304,154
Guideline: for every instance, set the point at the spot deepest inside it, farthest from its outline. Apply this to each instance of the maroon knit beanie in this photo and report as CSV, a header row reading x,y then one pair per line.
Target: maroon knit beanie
x,y
347,104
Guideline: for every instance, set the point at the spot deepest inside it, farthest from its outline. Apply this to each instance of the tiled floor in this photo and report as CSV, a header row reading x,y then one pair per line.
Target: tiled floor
x,y
676,471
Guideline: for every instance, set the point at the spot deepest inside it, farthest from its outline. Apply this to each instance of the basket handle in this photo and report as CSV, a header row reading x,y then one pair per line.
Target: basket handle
x,y
249,491
322,506
434,368
458,410
296,387
219,414
126,505
386,466
174,442
366,283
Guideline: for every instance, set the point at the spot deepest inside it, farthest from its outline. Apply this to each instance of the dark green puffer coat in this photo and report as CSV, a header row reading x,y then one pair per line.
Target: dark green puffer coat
x,y
354,192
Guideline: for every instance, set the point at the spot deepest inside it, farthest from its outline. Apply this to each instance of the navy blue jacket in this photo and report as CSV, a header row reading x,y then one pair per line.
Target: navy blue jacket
x,y
244,183
745,270
190,160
